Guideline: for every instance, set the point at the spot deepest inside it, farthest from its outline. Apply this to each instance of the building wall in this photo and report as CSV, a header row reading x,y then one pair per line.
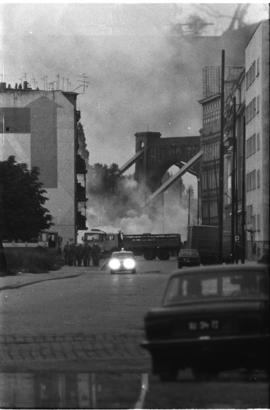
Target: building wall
x,y
257,140
39,129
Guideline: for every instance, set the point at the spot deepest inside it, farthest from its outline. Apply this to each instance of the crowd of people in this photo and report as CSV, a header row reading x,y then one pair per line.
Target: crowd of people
x,y
81,254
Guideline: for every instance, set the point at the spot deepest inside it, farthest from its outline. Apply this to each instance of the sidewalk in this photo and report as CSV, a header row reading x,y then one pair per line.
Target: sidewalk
x,y
25,279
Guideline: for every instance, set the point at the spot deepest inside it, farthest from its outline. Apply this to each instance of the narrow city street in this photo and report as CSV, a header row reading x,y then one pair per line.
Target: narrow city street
x,y
81,334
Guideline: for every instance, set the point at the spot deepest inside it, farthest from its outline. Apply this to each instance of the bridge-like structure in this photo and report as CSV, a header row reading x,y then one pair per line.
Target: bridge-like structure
x,y
155,155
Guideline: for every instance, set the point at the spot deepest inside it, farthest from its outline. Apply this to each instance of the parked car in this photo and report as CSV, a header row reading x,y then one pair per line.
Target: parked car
x,y
122,262
212,319
188,257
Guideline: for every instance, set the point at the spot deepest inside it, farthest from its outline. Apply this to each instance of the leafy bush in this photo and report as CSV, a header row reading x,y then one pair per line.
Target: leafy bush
x,y
33,260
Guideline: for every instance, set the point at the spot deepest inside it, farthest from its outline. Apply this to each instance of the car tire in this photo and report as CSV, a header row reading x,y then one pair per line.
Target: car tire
x,y
134,271
168,375
201,374
112,272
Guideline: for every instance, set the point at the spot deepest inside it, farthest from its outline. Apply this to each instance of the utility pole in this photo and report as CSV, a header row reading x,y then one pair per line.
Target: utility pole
x,y
243,205
3,260
189,192
233,183
221,159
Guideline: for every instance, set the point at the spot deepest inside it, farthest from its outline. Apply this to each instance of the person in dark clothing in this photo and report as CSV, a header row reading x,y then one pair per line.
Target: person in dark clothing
x,y
96,254
79,254
86,254
72,255
66,252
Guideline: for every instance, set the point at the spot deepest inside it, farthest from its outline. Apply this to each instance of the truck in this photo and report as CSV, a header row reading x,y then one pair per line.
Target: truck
x,y
149,245
205,238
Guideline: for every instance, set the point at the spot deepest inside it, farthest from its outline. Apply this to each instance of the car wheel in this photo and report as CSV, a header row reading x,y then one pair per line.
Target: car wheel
x,y
201,374
112,272
168,375
134,271
180,266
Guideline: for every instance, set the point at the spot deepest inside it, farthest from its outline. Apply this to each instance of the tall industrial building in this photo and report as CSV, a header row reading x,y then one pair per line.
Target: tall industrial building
x,y
41,128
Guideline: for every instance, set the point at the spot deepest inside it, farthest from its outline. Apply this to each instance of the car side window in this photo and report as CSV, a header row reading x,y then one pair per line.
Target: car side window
x,y
172,292
210,287
230,286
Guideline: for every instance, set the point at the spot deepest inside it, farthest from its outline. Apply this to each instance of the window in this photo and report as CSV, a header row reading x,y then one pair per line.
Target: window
x,y
258,223
258,67
258,142
251,181
258,178
251,146
258,104
251,110
213,209
250,75
249,214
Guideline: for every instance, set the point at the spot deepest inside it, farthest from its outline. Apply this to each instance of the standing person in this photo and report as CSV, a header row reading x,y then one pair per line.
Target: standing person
x,y
79,254
72,255
96,254
86,254
66,253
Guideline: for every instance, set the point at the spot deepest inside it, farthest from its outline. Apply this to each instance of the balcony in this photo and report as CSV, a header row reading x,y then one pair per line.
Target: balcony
x,y
80,193
80,165
81,222
78,115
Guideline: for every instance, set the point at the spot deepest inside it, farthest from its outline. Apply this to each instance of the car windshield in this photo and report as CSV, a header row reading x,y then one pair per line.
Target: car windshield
x,y
188,252
122,255
200,286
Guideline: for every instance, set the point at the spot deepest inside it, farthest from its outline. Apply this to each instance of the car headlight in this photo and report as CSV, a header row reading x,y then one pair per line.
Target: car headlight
x,y
129,263
114,264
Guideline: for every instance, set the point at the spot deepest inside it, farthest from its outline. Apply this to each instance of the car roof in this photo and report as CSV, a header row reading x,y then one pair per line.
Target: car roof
x,y
189,250
122,253
221,268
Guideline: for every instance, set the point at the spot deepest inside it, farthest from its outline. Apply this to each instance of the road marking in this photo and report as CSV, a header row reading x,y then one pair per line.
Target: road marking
x,y
144,388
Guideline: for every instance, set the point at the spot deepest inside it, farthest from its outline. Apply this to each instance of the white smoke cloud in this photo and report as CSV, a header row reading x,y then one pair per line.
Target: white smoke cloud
x,y
138,77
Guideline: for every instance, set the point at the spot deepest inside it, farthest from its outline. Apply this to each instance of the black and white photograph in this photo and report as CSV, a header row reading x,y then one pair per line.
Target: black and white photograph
x,y
134,205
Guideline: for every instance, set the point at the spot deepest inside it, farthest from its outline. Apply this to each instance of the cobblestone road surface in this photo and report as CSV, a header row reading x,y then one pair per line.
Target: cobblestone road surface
x,y
70,347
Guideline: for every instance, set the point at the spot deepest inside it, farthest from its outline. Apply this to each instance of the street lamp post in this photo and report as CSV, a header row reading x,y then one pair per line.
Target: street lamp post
x,y
221,159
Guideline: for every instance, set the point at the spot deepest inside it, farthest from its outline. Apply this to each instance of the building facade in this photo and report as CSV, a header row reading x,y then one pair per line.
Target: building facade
x,y
246,147
257,140
234,166
210,139
40,128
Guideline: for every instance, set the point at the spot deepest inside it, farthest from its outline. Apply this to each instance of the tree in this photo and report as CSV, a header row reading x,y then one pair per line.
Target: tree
x,y
23,214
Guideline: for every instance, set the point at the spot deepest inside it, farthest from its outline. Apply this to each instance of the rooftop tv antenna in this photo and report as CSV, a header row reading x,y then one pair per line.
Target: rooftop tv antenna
x,y
195,25
83,82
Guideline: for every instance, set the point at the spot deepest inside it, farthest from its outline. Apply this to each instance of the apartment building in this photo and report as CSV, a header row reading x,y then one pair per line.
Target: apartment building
x,y
257,140
40,128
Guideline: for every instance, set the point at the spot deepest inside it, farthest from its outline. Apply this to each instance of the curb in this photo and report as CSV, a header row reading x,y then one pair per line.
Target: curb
x,y
21,285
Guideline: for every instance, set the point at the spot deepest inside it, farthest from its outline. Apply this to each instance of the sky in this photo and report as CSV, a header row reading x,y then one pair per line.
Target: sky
x,y
139,76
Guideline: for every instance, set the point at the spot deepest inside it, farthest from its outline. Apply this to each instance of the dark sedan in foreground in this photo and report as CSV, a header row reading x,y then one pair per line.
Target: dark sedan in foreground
x,y
212,319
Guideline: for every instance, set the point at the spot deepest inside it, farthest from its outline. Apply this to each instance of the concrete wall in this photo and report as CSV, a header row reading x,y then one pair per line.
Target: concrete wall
x,y
44,138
